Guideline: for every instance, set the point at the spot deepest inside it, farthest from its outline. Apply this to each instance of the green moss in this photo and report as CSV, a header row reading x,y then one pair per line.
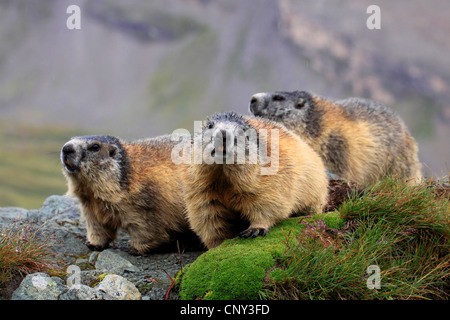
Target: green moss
x,y
237,268
333,220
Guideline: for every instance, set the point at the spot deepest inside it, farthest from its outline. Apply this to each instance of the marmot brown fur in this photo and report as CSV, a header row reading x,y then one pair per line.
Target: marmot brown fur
x,y
358,139
132,185
224,198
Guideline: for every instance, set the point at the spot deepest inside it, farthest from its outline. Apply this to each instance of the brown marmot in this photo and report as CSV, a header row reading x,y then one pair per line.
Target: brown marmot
x,y
132,185
227,198
357,139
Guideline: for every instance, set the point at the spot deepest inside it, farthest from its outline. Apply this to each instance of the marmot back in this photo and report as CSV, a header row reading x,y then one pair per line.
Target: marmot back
x,y
229,197
132,185
358,139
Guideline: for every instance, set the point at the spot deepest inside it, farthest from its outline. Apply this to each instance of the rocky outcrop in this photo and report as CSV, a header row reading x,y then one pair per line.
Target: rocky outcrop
x,y
112,274
40,286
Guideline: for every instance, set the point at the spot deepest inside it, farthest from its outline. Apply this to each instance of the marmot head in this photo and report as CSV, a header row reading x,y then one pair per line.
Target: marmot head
x,y
278,104
294,109
95,161
227,138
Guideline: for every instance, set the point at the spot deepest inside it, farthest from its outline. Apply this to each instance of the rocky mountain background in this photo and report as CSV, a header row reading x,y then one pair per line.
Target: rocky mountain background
x,y
144,68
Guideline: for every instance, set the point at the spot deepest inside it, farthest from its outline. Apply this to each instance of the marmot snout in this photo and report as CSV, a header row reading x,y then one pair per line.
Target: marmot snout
x,y
228,140
91,157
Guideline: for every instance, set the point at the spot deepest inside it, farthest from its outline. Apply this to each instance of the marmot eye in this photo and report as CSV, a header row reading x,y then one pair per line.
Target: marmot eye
x,y
95,147
277,97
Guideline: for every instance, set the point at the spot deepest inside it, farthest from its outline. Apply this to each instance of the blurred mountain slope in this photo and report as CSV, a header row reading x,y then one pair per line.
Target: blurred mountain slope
x,y
144,68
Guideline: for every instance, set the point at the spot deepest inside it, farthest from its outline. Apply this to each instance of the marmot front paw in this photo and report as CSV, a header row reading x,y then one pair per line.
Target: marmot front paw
x,y
93,247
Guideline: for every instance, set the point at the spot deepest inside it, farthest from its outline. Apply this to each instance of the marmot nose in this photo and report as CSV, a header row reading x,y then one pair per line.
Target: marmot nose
x,y
224,133
256,103
68,149
68,155
223,139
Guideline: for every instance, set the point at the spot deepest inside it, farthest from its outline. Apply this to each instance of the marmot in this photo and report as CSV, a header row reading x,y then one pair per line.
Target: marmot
x,y
224,198
358,139
132,185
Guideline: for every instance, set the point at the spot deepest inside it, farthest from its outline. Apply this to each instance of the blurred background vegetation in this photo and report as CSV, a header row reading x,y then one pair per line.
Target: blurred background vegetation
x,y
143,68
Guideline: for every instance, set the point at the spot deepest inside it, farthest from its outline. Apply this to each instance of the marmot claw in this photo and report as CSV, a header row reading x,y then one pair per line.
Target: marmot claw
x,y
253,233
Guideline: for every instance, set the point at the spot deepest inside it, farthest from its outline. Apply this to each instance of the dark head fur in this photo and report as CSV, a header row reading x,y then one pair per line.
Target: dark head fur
x,y
227,136
293,109
231,118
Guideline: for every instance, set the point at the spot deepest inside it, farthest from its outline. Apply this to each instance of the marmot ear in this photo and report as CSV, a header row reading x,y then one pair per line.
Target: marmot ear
x,y
300,103
304,100
112,150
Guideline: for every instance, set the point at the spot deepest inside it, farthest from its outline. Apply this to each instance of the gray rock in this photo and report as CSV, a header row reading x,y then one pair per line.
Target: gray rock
x,y
59,221
118,288
93,257
152,280
63,212
39,286
12,214
84,264
157,293
110,261
89,277
68,246
82,292
58,205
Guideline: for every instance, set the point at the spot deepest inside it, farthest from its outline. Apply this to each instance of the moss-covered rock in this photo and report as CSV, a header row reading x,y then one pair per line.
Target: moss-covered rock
x,y
237,269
